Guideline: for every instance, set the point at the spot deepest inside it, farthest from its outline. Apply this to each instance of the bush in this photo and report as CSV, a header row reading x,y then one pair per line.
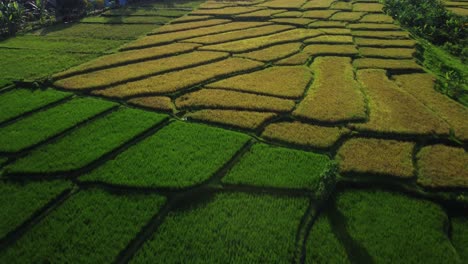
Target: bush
x,y
11,16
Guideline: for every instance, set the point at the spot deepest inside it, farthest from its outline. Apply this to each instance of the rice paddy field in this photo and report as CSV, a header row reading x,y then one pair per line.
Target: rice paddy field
x,y
230,131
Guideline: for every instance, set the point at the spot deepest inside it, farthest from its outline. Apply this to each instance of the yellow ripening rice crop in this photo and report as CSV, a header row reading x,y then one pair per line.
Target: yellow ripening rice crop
x,y
388,53
190,25
290,14
273,53
370,42
287,81
116,75
331,39
224,99
376,18
127,57
443,167
323,4
292,21
302,134
335,95
227,11
325,49
347,16
256,43
327,24
345,6
368,7
265,13
239,34
241,119
336,31
159,39
395,111
421,86
389,64
376,156
179,80
154,102
319,14
381,34
284,3
296,59
190,18
373,26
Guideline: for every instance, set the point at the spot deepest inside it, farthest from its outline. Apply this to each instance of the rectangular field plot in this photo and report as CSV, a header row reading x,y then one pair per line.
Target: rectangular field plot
x,y
460,235
88,143
190,25
232,228
145,12
393,226
90,227
19,202
158,20
233,118
44,124
20,101
270,166
171,157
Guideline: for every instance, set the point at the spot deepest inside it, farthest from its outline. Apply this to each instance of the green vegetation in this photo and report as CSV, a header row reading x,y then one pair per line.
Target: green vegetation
x,y
3,160
144,12
460,235
233,228
90,227
171,157
20,101
376,222
126,20
154,102
41,125
269,166
235,118
190,25
19,202
347,16
376,18
388,64
384,43
86,144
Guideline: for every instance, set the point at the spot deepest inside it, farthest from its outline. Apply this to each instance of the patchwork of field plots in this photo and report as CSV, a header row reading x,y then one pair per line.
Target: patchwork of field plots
x,y
246,131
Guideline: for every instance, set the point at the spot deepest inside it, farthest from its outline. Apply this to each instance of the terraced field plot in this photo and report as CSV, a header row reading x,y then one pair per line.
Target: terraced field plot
x,y
276,131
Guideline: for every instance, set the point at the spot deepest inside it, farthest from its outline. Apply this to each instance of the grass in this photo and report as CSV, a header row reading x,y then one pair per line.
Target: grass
x,y
395,111
329,50
227,11
44,124
21,201
235,118
373,26
265,41
376,157
290,4
128,57
214,98
190,18
388,53
190,25
87,144
376,18
20,101
292,21
273,53
145,12
302,134
335,95
319,14
239,34
153,102
460,235
158,20
230,228
322,244
289,82
330,39
171,157
386,34
383,43
388,64
324,4
443,166
368,7
35,64
159,39
374,220
120,74
61,44
90,227
182,79
422,87
347,16
270,166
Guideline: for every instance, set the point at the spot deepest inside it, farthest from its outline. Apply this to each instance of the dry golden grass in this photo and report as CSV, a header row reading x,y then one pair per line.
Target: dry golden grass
x,y
240,34
421,86
381,34
242,119
382,43
335,95
296,59
292,21
372,26
318,4
394,111
190,18
115,75
160,39
442,166
291,14
179,80
265,13
347,16
332,39
153,102
336,31
459,11
256,43
368,7
284,3
273,53
302,134
319,14
376,156
324,49
287,81
391,53
376,18
389,64
223,99
346,6
327,24
127,57
190,25
231,10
